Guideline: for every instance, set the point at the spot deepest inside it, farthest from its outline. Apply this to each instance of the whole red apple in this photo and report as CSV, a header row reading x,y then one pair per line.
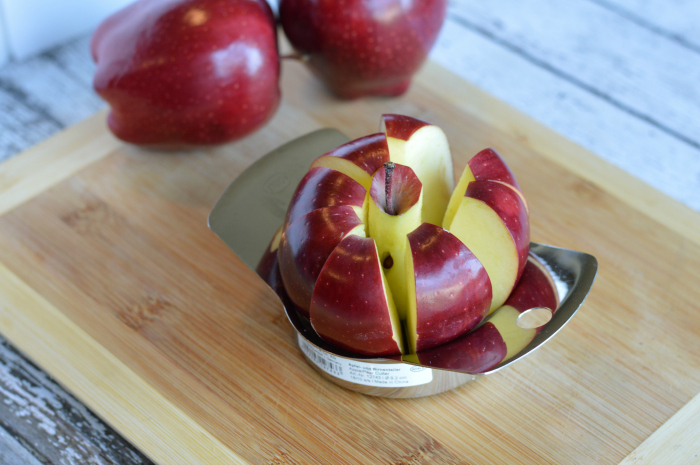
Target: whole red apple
x,y
180,73
363,47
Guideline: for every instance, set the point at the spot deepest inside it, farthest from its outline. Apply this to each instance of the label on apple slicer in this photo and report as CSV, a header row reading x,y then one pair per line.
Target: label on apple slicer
x,y
391,375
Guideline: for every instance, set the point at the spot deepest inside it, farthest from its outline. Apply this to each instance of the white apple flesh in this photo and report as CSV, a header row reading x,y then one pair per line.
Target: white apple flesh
x,y
390,227
424,148
359,159
492,222
486,165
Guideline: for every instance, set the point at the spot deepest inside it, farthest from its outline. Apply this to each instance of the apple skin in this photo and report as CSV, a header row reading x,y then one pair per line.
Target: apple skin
x,y
400,126
306,245
268,266
537,290
423,147
476,352
182,73
359,47
452,288
488,165
364,323
405,188
389,230
324,187
485,347
362,157
509,206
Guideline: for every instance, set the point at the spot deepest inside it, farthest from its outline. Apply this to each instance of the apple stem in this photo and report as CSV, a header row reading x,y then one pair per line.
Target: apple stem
x,y
295,56
389,171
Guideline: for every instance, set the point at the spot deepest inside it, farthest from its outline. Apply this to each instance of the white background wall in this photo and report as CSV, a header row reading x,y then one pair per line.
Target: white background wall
x,y
32,26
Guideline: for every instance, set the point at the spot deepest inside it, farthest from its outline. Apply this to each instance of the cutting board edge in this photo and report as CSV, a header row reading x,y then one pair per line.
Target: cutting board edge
x,y
115,392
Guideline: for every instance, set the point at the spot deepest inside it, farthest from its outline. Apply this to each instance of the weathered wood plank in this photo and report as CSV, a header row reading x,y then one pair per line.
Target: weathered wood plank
x,y
49,424
21,126
41,96
75,60
13,453
633,68
675,19
4,50
658,158
57,90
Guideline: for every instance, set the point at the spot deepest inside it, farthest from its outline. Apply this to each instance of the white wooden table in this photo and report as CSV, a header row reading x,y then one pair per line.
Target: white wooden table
x,y
619,77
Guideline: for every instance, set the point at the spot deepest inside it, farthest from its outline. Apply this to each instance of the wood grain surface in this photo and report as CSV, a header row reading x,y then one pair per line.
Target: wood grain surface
x,y
112,282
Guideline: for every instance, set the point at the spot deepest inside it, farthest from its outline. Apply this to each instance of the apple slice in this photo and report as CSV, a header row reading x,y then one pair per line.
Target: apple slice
x,y
324,187
500,338
268,268
352,306
306,245
475,352
359,159
492,222
486,165
424,148
535,289
449,291
390,220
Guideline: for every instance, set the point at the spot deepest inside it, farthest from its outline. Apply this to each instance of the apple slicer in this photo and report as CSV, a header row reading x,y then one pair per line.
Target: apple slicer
x,y
263,192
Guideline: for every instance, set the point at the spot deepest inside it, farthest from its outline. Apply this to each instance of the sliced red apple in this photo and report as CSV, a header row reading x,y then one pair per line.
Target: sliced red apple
x,y
500,338
492,222
425,149
535,289
449,291
400,126
359,159
486,165
306,245
324,187
389,225
352,305
476,352
268,268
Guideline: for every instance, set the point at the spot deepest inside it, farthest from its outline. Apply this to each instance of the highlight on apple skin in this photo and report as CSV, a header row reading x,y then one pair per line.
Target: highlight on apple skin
x,y
324,187
500,338
180,74
365,322
377,273
449,291
306,245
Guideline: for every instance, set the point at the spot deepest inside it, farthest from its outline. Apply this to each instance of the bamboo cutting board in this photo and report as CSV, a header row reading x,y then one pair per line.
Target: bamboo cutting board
x,y
111,281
